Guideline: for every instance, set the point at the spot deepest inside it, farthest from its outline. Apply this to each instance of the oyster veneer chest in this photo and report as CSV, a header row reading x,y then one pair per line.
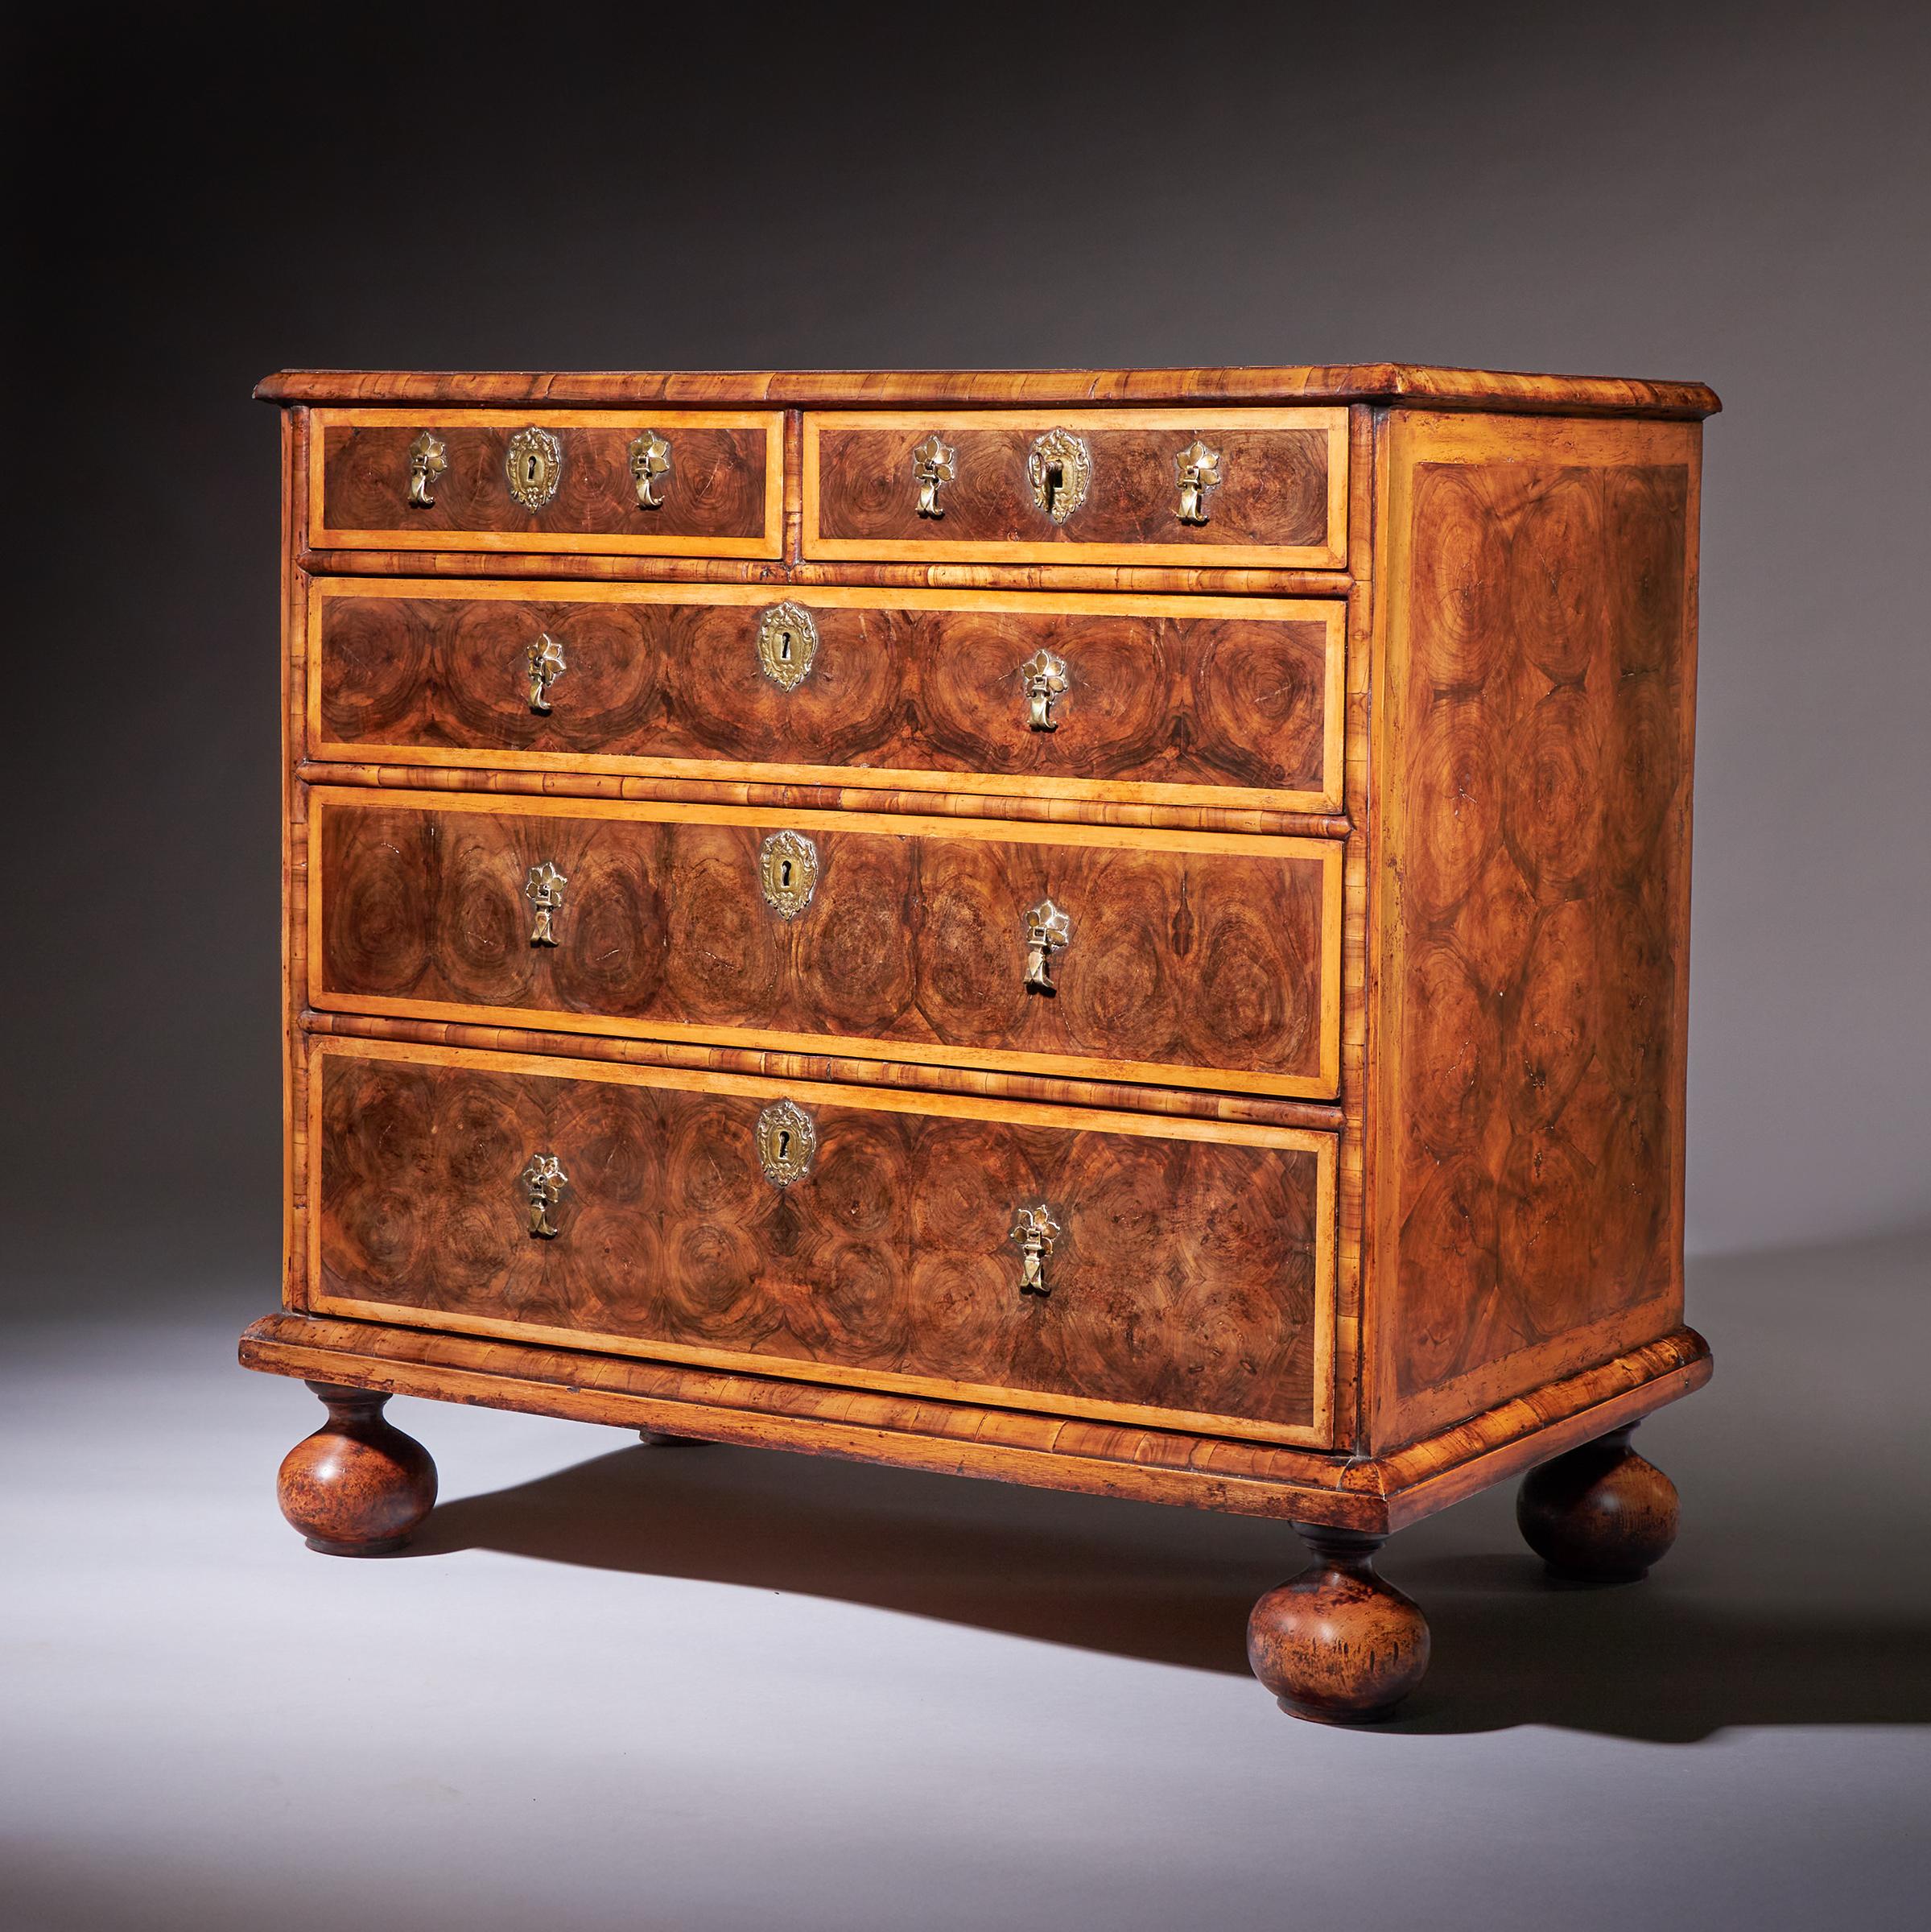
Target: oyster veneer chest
x,y
1121,931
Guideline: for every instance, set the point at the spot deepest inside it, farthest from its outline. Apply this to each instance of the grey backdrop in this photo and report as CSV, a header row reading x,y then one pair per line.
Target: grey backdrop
x,y
1735,193
724,1691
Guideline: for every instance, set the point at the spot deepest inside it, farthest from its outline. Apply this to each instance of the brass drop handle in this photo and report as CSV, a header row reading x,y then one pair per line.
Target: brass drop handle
x,y
545,663
1048,931
1059,466
1045,679
544,890
1035,1230
932,463
544,1181
650,465
1198,470
428,458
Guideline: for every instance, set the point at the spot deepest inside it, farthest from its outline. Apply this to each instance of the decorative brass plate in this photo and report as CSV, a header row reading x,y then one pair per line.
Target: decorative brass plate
x,y
787,641
544,1181
786,1140
650,465
428,458
787,870
1059,466
1198,470
1036,1231
533,463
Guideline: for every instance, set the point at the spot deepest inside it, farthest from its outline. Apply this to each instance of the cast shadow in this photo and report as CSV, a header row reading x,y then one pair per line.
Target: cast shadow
x,y
1173,1586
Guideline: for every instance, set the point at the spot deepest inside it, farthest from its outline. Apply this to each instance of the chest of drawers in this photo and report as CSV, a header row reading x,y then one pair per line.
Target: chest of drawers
x,y
1121,931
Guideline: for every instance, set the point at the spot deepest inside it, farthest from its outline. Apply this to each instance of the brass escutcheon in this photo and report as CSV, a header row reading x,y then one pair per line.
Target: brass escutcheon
x,y
932,463
1059,466
533,463
1198,470
544,890
788,642
428,458
787,870
650,465
1048,931
546,665
786,1140
1045,679
544,1181
1035,1230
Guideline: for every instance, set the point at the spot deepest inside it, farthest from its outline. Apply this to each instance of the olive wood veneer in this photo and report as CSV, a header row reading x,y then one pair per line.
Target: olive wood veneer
x,y
1354,1108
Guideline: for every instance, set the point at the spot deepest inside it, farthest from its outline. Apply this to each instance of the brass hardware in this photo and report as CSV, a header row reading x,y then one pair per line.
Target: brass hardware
x,y
428,458
544,1181
546,665
1048,931
1036,1231
932,463
786,1140
650,465
787,868
1059,466
1198,470
544,890
533,463
1045,680
787,641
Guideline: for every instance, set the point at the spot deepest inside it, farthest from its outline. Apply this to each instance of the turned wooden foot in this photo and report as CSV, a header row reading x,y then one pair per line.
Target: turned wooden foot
x,y
358,1486
1600,1514
1338,1643
660,1438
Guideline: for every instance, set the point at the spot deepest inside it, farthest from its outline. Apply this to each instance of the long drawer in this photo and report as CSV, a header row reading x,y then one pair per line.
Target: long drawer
x,y
1262,487
1186,959
1113,1266
673,483
1235,701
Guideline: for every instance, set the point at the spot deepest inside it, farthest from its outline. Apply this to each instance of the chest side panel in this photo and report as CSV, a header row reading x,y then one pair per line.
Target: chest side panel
x,y
1536,678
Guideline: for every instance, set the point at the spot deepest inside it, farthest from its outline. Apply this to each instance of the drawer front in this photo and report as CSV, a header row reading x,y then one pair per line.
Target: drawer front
x,y
1095,1264
1268,486
1202,699
559,480
1184,959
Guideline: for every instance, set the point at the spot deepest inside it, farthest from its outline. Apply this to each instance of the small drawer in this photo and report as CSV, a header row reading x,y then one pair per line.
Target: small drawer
x,y
674,483
1184,959
1265,487
1220,700
1118,1266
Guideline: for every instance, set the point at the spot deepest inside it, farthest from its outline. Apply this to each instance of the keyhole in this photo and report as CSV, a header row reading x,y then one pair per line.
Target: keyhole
x,y
784,1143
529,472
1055,481
784,872
784,647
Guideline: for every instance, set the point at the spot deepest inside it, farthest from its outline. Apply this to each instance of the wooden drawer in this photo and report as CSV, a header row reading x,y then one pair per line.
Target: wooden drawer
x,y
1186,1277
722,495
1202,700
1112,478
1191,959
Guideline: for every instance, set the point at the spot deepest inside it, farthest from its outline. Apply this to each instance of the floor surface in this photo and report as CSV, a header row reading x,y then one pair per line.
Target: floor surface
x,y
725,1689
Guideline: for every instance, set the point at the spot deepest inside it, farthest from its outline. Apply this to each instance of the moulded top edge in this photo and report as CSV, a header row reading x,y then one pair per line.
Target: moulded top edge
x,y
1386,383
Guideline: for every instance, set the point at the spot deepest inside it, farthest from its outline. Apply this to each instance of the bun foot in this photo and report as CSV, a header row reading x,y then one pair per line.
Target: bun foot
x,y
358,1486
1339,1643
1600,1514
